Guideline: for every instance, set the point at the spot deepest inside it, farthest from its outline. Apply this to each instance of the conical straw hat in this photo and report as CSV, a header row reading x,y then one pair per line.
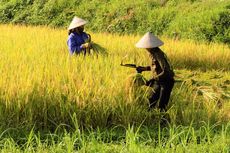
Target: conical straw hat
x,y
149,41
76,22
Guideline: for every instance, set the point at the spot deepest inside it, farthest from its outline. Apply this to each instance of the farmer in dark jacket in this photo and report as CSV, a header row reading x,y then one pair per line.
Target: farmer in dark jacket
x,y
78,40
163,75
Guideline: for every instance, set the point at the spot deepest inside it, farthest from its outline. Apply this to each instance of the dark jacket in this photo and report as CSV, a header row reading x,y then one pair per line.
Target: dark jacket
x,y
161,68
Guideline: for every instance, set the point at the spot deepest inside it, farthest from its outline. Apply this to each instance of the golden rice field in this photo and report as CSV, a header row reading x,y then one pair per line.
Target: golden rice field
x,y
44,88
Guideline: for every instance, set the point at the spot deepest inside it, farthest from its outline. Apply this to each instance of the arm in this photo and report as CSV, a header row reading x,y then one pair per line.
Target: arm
x,y
162,62
143,68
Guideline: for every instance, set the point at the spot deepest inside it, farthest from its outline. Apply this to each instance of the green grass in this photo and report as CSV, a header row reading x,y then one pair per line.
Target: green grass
x,y
175,18
207,138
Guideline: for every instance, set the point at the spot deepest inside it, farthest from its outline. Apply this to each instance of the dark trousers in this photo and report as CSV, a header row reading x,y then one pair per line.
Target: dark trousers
x,y
161,93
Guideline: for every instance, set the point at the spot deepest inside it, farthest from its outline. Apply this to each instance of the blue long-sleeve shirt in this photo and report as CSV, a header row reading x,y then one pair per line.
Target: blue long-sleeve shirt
x,y
75,41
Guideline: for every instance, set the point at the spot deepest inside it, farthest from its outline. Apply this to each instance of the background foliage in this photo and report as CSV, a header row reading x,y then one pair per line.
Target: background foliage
x,y
194,19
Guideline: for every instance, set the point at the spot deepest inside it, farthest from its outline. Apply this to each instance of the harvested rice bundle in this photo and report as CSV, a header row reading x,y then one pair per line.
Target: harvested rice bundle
x,y
95,48
136,80
135,87
98,49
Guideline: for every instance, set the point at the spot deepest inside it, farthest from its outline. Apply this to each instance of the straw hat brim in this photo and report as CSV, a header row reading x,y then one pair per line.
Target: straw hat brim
x,y
76,22
149,41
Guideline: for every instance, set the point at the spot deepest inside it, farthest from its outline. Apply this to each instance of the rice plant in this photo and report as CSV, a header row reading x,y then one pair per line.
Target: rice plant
x,y
51,101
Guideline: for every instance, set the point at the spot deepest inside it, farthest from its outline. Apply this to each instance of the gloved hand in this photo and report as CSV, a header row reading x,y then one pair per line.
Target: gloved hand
x,y
86,45
139,69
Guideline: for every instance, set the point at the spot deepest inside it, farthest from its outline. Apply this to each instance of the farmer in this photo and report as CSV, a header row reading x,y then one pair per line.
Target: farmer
x,y
78,41
162,81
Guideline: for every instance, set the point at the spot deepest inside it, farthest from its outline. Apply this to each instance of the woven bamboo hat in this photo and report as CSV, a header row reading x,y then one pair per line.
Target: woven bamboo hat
x,y
149,41
76,22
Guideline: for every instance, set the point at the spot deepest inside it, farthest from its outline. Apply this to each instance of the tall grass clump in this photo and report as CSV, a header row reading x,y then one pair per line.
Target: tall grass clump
x,y
207,138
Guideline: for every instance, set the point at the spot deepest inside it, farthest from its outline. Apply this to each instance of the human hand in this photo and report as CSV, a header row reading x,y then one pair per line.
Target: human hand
x,y
86,45
139,69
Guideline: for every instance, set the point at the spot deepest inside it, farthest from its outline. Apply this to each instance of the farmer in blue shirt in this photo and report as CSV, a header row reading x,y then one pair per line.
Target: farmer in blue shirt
x,y
78,41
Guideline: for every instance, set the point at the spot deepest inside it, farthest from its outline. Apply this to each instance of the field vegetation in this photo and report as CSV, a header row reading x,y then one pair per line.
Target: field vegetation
x,y
173,18
52,102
